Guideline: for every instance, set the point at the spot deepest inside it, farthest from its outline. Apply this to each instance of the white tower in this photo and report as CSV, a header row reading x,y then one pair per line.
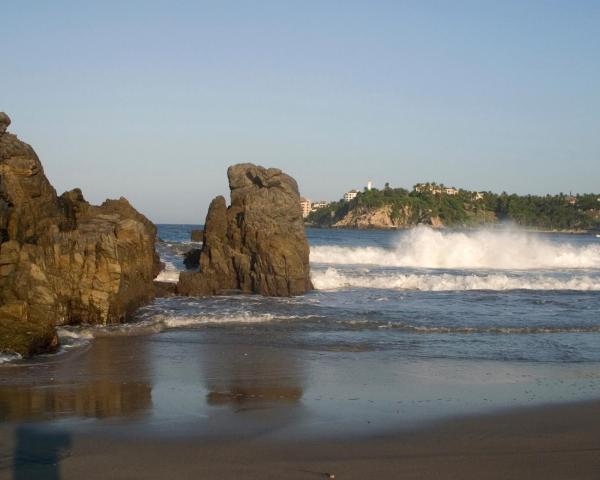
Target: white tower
x,y
369,185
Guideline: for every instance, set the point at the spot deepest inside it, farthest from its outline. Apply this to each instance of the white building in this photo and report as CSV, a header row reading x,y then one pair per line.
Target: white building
x,y
369,185
305,205
435,189
350,195
317,205
428,187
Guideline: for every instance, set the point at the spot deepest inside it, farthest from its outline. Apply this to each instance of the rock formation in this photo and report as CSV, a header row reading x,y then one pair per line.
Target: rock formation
x,y
191,258
382,218
197,235
62,260
257,244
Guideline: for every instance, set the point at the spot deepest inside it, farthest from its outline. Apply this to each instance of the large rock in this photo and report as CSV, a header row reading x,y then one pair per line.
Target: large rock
x,y
197,235
257,244
62,260
191,258
4,122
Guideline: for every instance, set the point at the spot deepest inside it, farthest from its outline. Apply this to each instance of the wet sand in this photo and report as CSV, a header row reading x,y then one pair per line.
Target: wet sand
x,y
179,405
554,442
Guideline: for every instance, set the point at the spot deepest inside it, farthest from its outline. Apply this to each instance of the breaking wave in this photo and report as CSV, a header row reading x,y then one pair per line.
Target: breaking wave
x,y
423,247
169,274
9,357
332,279
508,330
156,322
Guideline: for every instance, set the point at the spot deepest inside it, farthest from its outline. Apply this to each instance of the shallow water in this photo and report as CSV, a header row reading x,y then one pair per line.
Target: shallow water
x,y
404,328
493,294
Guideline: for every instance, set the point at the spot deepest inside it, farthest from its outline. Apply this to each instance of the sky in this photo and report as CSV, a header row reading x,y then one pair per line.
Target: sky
x,y
153,100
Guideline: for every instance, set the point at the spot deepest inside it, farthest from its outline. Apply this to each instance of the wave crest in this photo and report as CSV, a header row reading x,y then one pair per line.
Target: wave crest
x,y
332,279
423,247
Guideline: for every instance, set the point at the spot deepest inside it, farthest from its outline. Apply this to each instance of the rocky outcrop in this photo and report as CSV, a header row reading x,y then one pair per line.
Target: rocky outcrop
x,y
62,260
197,235
384,218
379,218
191,258
258,243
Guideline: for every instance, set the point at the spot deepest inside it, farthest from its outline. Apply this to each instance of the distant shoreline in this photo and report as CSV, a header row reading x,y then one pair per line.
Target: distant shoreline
x,y
456,228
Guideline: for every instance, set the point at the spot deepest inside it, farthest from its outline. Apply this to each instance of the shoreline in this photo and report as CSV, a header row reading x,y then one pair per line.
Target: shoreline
x,y
548,441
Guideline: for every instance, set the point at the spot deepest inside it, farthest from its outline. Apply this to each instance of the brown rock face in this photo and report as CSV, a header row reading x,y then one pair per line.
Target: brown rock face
x,y
257,244
4,122
62,260
197,235
191,258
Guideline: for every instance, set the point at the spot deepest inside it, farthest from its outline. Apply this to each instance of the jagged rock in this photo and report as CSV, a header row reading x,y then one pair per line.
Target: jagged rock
x,y
197,235
383,217
62,260
165,289
191,258
4,122
257,244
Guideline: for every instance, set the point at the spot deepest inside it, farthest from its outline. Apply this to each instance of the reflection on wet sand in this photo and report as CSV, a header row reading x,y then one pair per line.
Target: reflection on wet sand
x,y
252,377
99,399
241,396
110,380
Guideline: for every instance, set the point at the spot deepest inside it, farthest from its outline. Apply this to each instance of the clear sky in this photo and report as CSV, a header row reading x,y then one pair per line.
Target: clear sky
x,y
153,100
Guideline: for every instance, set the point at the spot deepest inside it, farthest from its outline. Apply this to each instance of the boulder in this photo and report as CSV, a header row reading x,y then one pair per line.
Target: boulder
x,y
257,244
165,289
4,122
197,235
191,258
62,260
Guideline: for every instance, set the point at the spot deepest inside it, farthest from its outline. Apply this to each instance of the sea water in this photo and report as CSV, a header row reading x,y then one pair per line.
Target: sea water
x,y
499,294
402,327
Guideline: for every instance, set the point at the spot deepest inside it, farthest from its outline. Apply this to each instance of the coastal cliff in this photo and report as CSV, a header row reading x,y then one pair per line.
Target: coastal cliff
x,y
62,260
438,206
257,244
383,218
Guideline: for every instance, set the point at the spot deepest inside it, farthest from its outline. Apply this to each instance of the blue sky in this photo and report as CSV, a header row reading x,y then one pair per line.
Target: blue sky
x,y
153,100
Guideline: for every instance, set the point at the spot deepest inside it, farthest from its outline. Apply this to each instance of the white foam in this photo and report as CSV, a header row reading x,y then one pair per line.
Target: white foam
x,y
170,274
424,247
160,321
170,321
9,357
332,279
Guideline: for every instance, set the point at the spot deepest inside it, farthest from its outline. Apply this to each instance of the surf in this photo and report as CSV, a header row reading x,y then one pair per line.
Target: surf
x,y
506,249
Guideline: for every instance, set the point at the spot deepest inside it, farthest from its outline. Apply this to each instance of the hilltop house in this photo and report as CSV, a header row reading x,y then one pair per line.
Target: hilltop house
x,y
305,205
435,189
317,205
350,195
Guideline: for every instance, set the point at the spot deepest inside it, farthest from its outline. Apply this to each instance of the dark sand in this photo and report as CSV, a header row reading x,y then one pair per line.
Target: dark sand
x,y
554,442
150,407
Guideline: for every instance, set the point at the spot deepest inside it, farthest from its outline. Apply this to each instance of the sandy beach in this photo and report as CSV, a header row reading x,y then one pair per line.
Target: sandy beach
x,y
556,442
156,406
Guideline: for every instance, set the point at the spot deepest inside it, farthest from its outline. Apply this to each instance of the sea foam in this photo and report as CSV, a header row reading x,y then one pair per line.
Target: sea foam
x,y
332,279
423,247
157,320
9,357
170,274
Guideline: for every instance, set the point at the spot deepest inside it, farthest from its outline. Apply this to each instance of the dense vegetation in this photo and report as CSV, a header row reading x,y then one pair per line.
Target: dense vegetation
x,y
553,212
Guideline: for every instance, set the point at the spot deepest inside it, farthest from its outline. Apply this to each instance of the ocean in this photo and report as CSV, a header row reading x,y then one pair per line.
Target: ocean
x,y
403,327
489,294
